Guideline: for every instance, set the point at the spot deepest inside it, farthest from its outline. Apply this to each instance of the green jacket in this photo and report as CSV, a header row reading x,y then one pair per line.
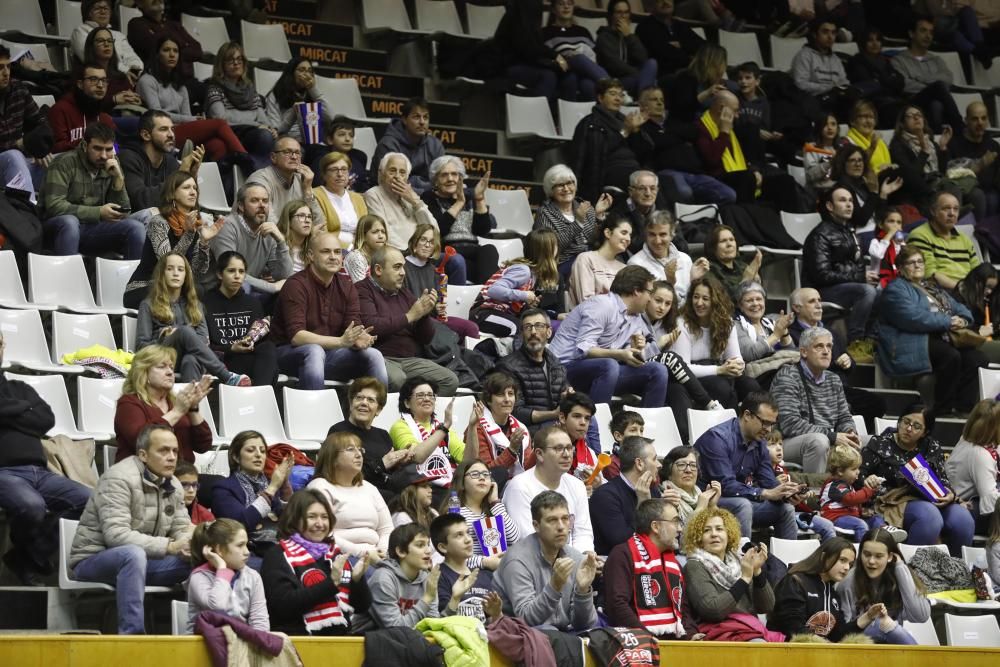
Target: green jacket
x,y
71,188
463,639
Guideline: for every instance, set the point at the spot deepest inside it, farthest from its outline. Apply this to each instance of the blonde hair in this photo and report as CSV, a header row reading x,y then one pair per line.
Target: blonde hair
x,y
159,293
983,425
137,380
365,224
843,458
696,527
334,444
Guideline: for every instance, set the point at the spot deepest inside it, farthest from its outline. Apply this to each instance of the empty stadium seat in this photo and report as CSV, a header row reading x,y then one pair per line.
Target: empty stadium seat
x,y
975,556
570,115
783,50
924,633
62,280
882,424
178,617
741,46
660,428
211,193
511,209
389,414
96,403
603,416
860,426
126,14
264,79
26,345
507,249
700,421
382,15
67,17
910,550
112,277
129,325
310,414
255,408
530,117
210,31
11,289
72,332
792,551
436,16
483,20
347,97
460,414
972,631
798,225
460,299
265,42
52,389
26,18
365,141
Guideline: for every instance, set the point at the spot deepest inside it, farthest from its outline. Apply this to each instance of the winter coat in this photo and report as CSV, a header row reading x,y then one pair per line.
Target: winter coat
x,y
462,638
831,256
233,643
539,385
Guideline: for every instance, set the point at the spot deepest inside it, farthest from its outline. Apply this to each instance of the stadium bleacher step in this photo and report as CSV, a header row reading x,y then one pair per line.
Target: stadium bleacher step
x,y
503,167
464,139
389,106
377,83
290,7
534,189
331,35
340,56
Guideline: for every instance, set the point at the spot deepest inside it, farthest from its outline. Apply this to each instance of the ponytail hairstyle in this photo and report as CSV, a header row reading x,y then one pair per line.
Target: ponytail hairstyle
x,y
217,533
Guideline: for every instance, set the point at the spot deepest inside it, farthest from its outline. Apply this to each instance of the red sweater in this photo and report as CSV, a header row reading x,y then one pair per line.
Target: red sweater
x,y
68,122
306,304
838,498
133,415
711,150
386,314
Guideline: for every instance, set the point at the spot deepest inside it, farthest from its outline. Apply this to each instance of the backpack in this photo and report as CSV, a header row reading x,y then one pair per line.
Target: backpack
x,y
614,647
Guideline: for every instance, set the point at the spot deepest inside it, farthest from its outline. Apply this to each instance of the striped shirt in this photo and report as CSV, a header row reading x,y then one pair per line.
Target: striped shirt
x,y
496,509
953,256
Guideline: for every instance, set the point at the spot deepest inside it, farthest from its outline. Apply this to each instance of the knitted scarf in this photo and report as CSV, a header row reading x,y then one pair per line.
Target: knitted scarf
x,y
879,156
305,566
436,467
918,147
658,587
240,95
724,573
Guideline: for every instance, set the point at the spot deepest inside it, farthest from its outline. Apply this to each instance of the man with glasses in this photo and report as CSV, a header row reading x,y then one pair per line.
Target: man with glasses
x,y
948,254
613,505
86,203
288,179
640,205
317,322
643,582
735,455
554,456
80,108
815,415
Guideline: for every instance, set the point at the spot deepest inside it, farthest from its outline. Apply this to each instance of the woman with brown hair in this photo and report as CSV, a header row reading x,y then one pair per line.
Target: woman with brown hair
x,y
148,398
708,343
724,261
363,519
370,235
972,466
296,224
342,208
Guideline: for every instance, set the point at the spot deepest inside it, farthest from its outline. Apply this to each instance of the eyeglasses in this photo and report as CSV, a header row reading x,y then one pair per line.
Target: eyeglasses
x,y
354,450
676,520
686,465
565,184
917,261
190,485
238,60
302,216
290,152
424,395
425,241
561,449
766,423
104,42
478,474
96,80
913,114
365,399
916,427
338,170
542,326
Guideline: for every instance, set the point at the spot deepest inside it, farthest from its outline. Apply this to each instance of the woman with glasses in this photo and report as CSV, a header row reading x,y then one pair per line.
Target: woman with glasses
x,y
727,588
437,449
850,168
99,49
526,282
573,220
288,110
296,225
231,96
899,502
922,162
97,14
919,334
341,207
484,513
680,468
363,519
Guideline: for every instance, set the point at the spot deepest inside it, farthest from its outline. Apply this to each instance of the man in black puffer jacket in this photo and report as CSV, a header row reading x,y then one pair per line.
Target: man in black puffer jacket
x,y
834,264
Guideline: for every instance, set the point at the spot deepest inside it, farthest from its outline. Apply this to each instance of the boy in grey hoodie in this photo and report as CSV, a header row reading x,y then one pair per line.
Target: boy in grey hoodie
x,y
541,580
404,585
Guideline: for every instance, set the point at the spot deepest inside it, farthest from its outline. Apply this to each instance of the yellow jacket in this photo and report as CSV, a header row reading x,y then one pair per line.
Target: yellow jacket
x,y
332,219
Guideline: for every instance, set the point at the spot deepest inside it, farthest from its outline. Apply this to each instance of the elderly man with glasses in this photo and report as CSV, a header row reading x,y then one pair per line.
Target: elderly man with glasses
x,y
735,454
287,179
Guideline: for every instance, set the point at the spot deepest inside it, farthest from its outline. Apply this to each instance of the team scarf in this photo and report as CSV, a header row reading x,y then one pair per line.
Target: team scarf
x,y
328,612
311,118
879,156
921,475
500,442
436,467
491,535
584,460
732,157
658,587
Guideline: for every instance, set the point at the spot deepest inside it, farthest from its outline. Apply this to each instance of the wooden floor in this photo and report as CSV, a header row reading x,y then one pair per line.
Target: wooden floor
x,y
107,651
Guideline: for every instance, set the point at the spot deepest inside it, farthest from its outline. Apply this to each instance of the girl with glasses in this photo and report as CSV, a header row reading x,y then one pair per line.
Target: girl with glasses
x,y
286,112
98,14
485,514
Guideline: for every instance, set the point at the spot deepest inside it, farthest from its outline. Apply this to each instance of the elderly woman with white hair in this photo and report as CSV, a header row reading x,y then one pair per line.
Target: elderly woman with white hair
x,y
396,202
765,344
462,216
574,221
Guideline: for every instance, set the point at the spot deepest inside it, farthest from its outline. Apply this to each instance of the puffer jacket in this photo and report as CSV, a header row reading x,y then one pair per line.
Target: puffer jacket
x,y
129,508
832,256
535,389
904,322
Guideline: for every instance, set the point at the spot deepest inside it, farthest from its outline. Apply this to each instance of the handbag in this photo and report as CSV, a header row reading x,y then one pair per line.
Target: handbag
x,y
966,338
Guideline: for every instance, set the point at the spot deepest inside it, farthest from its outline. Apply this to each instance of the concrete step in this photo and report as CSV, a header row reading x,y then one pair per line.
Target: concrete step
x,y
390,106
456,138
315,32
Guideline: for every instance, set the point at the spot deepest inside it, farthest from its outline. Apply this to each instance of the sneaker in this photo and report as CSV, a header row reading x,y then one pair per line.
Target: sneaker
x,y
237,380
714,405
898,534
862,351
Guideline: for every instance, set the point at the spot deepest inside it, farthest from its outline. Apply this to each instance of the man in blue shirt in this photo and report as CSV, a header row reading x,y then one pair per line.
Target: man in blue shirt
x,y
734,453
601,341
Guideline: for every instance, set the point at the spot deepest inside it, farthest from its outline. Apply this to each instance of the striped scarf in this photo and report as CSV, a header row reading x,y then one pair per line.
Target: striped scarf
x,y
327,612
515,307
437,466
499,441
658,587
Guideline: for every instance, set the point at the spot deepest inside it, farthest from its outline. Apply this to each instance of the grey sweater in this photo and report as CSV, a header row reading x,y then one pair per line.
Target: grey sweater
x,y
809,407
523,583
148,328
172,101
392,592
918,73
713,603
264,254
916,607
817,73
973,474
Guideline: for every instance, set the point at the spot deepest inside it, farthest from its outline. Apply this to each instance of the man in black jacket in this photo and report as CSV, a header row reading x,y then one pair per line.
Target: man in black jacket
x,y
834,264
671,43
33,498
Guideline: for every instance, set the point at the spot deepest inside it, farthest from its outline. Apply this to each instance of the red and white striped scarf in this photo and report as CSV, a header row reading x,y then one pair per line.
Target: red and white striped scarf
x,y
437,467
328,612
658,587
503,306
500,441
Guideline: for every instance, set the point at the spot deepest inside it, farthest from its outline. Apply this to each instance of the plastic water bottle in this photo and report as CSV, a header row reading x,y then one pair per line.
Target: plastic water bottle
x,y
454,507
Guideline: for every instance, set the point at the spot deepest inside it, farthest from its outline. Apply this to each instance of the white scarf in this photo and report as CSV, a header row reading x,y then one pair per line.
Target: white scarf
x,y
437,466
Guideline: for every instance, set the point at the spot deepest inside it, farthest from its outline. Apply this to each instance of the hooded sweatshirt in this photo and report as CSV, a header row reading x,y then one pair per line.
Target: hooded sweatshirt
x,y
818,73
421,152
804,603
396,601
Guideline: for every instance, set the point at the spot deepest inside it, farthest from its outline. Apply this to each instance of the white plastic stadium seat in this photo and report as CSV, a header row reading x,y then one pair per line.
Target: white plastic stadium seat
x,y
974,556
62,280
924,633
530,117
348,99
264,79
96,403
661,428
255,408
741,46
972,631
460,299
210,31
798,225
26,345
570,114
507,249
882,424
460,414
603,417
129,325
909,550
439,16
211,193
310,414
792,551
25,17
389,414
11,289
265,42
512,210
483,20
783,50
700,421
385,15
178,617
71,332
67,17
112,277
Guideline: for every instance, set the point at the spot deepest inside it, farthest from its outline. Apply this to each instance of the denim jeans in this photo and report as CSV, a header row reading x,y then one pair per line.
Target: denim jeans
x,y
312,365
897,635
697,188
130,570
925,522
34,500
69,236
859,525
15,172
642,79
858,298
781,515
588,73
602,378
